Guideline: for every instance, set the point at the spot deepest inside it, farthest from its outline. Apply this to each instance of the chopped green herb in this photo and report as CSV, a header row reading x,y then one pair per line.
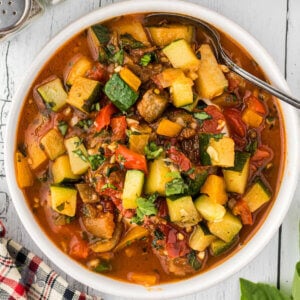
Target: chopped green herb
x,y
146,59
96,161
103,267
77,144
158,236
145,207
102,33
202,116
69,219
95,106
85,124
127,40
118,57
63,127
251,146
111,48
153,151
108,186
193,260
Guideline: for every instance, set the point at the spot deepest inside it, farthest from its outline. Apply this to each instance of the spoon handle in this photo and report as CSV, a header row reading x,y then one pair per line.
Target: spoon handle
x,y
260,83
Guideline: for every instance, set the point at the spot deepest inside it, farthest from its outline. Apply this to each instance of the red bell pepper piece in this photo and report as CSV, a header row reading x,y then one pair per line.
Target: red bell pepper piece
x,y
104,115
255,105
131,159
179,159
234,121
118,126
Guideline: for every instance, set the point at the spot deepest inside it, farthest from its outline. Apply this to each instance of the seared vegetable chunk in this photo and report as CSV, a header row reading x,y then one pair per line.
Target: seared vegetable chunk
x,y
227,228
84,93
211,81
164,35
218,246
120,93
87,193
53,94
53,144
183,211
63,200
24,174
257,195
152,106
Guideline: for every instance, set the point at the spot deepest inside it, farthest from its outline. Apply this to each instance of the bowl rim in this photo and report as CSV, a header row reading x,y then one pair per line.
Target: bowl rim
x,y
230,265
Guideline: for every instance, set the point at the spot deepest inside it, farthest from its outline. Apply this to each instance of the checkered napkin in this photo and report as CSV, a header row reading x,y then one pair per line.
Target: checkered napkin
x,y
24,276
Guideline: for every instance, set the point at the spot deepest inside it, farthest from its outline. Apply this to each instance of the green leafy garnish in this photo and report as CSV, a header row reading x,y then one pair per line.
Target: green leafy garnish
x,y
102,33
260,291
128,40
158,236
146,59
95,106
193,260
153,151
104,266
96,161
63,127
118,57
202,116
61,206
176,187
145,207
108,186
251,146
111,170
84,124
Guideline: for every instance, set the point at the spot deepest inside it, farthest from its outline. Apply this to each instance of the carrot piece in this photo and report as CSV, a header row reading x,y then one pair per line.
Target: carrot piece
x,y
168,128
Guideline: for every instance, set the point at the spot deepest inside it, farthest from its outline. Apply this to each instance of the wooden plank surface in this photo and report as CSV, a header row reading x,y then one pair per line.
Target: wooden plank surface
x,y
264,19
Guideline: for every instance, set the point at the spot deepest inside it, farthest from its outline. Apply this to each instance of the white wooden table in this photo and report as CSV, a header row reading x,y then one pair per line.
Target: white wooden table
x,y
276,24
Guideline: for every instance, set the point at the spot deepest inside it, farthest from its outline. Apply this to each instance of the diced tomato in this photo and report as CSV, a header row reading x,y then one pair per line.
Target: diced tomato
x,y
262,156
78,248
242,209
174,246
234,121
131,159
104,115
98,72
213,125
179,159
162,208
118,126
255,105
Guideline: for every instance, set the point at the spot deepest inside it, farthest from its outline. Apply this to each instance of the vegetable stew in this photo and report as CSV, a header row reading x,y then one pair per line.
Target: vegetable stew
x,y
142,157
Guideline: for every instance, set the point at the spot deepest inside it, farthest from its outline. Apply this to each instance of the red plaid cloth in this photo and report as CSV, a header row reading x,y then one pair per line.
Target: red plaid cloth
x,y
24,276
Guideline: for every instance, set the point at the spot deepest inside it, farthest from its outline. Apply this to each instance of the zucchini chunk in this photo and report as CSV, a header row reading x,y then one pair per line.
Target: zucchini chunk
x,y
84,93
64,200
164,35
211,81
216,150
120,93
24,174
77,155
53,144
183,211
237,176
53,94
158,177
181,91
133,186
215,188
227,228
257,195
218,247
200,239
208,209
181,55
76,68
61,170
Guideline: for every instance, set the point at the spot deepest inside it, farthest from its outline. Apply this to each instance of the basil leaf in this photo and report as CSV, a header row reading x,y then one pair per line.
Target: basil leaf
x,y
260,291
96,161
193,260
145,207
102,33
127,40
153,151
296,283
202,116
63,127
176,187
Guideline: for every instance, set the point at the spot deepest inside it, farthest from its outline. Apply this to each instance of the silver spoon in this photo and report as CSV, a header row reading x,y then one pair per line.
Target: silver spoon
x,y
156,18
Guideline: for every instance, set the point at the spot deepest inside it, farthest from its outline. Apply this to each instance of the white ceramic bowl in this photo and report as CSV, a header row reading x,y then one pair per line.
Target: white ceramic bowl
x,y
231,265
